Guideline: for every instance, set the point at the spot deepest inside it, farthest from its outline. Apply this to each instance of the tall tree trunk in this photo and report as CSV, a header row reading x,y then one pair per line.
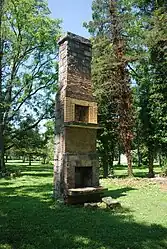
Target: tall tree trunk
x,y
111,162
129,161
151,164
105,167
29,160
139,156
105,162
160,159
123,94
2,152
24,159
44,160
119,154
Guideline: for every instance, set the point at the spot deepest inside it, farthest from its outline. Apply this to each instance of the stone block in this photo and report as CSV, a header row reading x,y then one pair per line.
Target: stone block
x,y
91,205
111,203
87,53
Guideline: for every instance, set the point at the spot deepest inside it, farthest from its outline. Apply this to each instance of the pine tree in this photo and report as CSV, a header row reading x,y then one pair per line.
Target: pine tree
x,y
110,76
123,92
152,80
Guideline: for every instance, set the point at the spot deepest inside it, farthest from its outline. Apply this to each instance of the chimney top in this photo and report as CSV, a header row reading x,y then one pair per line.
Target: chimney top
x,y
71,36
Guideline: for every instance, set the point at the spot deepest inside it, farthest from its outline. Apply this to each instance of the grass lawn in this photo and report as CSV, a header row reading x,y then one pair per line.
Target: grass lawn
x,y
31,219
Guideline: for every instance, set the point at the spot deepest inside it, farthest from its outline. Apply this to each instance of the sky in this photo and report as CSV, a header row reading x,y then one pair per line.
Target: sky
x,y
73,13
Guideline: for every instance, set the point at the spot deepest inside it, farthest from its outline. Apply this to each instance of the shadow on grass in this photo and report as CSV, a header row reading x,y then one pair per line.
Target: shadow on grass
x,y
38,223
42,174
44,190
22,169
141,174
30,219
116,193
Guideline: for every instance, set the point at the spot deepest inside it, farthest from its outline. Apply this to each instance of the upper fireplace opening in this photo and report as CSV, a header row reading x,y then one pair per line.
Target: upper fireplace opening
x,y
81,113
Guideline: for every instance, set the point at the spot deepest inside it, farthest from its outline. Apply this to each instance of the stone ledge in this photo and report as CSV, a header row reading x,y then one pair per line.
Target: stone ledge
x,y
82,125
86,190
84,195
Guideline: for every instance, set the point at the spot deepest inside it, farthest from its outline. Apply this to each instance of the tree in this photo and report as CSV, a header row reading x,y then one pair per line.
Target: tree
x,y
29,143
1,98
113,86
151,77
122,81
108,136
101,78
140,28
48,137
28,72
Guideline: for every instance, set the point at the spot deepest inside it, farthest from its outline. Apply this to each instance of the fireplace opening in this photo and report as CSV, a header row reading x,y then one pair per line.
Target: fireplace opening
x,y
83,177
81,113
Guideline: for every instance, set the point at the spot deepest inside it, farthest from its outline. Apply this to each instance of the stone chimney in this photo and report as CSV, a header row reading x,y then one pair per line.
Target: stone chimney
x,y
76,162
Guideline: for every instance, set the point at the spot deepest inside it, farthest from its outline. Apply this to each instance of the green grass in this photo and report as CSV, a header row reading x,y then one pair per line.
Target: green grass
x,y
121,171
31,219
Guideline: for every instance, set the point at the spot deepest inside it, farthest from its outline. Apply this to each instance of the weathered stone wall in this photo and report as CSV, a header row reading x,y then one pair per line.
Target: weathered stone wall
x,y
80,140
72,160
69,109
75,56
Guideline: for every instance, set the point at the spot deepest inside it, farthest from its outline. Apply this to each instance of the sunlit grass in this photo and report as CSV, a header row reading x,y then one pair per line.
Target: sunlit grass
x,y
31,219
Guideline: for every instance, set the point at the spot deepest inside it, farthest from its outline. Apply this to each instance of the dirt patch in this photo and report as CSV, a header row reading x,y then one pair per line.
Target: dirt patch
x,y
138,182
130,182
164,187
162,181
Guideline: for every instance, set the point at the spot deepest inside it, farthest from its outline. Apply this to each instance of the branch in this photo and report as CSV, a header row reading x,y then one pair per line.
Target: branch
x,y
134,72
26,129
35,124
40,66
29,96
18,25
34,74
9,147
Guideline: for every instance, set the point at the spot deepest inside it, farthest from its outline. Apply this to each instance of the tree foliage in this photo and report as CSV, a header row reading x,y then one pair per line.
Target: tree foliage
x,y
110,77
140,28
151,79
29,143
27,66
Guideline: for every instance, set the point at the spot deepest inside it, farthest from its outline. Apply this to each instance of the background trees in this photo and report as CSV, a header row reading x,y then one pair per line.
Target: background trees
x,y
111,78
151,85
136,31
28,72
128,71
